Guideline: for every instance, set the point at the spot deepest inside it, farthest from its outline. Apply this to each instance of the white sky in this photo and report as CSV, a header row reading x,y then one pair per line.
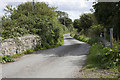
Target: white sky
x,y
73,7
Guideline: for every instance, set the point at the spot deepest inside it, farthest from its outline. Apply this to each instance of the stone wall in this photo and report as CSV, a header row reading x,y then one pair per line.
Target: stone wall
x,y
19,44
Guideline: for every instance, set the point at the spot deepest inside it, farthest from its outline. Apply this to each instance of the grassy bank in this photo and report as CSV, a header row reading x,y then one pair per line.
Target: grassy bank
x,y
100,57
85,39
104,59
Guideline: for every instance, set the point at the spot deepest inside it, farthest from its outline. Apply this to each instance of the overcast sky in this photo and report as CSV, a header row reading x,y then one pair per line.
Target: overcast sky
x,y
73,7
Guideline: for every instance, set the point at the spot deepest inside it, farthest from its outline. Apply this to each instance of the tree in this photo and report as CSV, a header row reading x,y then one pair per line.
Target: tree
x,y
108,15
41,21
65,21
85,21
61,14
76,23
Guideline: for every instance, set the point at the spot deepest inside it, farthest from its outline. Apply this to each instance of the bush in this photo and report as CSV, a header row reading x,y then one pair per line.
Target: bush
x,y
7,58
0,58
119,75
96,55
86,39
104,57
93,40
72,35
28,51
42,22
38,47
113,55
95,30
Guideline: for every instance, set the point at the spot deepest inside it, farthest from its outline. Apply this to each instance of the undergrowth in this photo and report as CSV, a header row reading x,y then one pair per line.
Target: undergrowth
x,y
99,56
85,39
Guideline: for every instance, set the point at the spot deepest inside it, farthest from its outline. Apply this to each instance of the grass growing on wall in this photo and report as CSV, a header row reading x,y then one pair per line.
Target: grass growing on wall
x,y
10,58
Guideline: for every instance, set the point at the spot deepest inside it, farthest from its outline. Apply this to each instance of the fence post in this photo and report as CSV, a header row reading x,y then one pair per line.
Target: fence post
x,y
111,37
101,37
33,5
105,30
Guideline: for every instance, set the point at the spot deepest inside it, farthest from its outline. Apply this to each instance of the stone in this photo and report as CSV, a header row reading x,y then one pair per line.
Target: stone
x,y
19,44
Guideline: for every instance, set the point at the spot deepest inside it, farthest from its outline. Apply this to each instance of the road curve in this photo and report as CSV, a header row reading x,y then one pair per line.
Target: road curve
x,y
61,62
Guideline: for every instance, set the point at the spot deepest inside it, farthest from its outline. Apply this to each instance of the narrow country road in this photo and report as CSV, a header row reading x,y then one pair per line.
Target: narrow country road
x,y
61,62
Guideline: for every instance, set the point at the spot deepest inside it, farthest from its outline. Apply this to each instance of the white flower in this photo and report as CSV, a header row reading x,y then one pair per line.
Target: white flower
x,y
111,50
116,59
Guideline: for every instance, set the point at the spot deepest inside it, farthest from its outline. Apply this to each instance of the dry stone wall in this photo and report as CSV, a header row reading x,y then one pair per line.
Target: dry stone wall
x,y
19,44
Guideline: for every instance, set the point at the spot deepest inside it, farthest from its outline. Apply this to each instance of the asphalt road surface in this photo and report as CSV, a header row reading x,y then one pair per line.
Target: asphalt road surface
x,y
61,62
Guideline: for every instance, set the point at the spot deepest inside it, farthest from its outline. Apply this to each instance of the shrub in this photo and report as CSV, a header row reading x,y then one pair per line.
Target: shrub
x,y
93,40
95,30
113,55
96,55
104,57
119,75
37,48
43,23
46,45
86,39
28,51
72,35
0,58
7,58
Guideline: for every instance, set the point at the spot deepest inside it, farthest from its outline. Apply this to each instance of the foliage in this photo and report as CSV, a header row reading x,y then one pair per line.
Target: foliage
x,y
119,75
10,58
93,40
82,38
84,23
61,14
111,15
7,58
99,56
96,55
104,57
65,20
41,21
72,35
0,58
93,17
38,47
113,55
76,25
85,39
28,51
95,30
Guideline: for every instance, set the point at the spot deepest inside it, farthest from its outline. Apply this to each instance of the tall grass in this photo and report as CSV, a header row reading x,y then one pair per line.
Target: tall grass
x,y
85,39
96,55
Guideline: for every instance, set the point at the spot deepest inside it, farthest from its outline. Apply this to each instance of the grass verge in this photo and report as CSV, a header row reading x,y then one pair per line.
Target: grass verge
x,y
85,39
100,57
